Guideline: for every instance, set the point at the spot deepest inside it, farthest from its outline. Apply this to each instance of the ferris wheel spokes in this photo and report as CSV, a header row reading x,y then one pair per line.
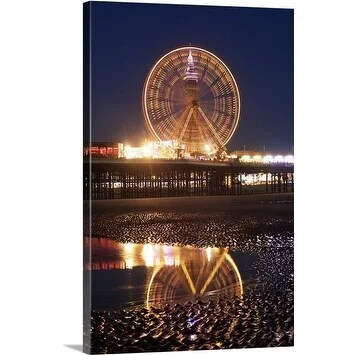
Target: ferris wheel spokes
x,y
168,120
185,124
179,119
188,278
211,128
213,272
204,137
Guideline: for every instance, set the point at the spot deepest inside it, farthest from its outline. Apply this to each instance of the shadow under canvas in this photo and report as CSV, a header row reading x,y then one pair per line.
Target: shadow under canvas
x,y
77,347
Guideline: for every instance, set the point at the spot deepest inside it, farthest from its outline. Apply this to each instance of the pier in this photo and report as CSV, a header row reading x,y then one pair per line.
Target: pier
x,y
149,178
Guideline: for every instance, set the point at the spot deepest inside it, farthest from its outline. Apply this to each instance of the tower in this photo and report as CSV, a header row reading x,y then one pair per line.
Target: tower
x,y
190,81
192,125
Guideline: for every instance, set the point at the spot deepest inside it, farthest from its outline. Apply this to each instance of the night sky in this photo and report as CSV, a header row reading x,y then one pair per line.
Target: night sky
x,y
256,44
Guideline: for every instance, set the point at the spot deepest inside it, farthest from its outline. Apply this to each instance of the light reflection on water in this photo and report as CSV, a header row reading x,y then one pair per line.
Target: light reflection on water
x,y
153,274
106,254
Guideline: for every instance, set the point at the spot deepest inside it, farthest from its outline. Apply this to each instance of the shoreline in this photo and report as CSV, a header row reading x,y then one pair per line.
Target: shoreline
x,y
280,203
241,223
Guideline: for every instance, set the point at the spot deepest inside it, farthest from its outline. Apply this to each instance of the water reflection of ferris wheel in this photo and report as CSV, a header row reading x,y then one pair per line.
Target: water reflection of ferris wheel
x,y
212,273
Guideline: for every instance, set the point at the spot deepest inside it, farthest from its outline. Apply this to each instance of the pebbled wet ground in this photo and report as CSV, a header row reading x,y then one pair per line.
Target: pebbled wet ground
x,y
260,319
263,317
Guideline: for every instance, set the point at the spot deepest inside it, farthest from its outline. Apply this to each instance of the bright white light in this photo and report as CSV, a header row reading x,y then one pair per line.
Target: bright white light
x,y
209,253
134,152
268,159
148,255
207,148
289,159
147,150
128,254
129,263
257,158
153,149
166,249
169,260
279,159
128,247
246,158
129,152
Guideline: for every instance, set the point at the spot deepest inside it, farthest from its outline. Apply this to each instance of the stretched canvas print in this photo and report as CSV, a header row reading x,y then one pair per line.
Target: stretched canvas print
x,y
188,177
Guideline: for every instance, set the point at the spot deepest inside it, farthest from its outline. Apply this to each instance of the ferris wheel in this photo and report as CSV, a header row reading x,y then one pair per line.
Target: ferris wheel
x,y
191,97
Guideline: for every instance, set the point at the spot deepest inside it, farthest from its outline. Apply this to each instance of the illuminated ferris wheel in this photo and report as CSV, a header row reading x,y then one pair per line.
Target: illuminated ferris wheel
x,y
191,97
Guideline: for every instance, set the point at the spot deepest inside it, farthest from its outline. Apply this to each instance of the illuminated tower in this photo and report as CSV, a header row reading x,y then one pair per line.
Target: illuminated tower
x,y
190,82
192,125
190,70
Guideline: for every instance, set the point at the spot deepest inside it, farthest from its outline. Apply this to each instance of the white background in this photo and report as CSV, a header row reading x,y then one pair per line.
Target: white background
x,y
40,175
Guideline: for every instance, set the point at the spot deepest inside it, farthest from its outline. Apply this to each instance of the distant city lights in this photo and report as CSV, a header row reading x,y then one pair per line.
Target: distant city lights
x,y
168,150
153,149
174,150
289,159
265,159
246,158
268,159
279,159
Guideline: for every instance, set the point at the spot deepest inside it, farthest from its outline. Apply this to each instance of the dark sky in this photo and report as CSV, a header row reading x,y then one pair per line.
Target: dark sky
x,y
255,43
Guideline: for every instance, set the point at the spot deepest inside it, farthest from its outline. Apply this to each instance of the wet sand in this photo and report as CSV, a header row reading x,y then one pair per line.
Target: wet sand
x,y
242,223
258,224
281,203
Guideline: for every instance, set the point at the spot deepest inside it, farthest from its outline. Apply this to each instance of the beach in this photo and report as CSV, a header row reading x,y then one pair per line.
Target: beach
x,y
257,230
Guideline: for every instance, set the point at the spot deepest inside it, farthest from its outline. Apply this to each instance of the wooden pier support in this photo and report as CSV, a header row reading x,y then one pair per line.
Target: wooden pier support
x,y
114,180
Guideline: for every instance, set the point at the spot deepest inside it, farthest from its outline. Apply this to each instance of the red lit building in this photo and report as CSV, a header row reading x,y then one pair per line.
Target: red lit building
x,y
103,150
